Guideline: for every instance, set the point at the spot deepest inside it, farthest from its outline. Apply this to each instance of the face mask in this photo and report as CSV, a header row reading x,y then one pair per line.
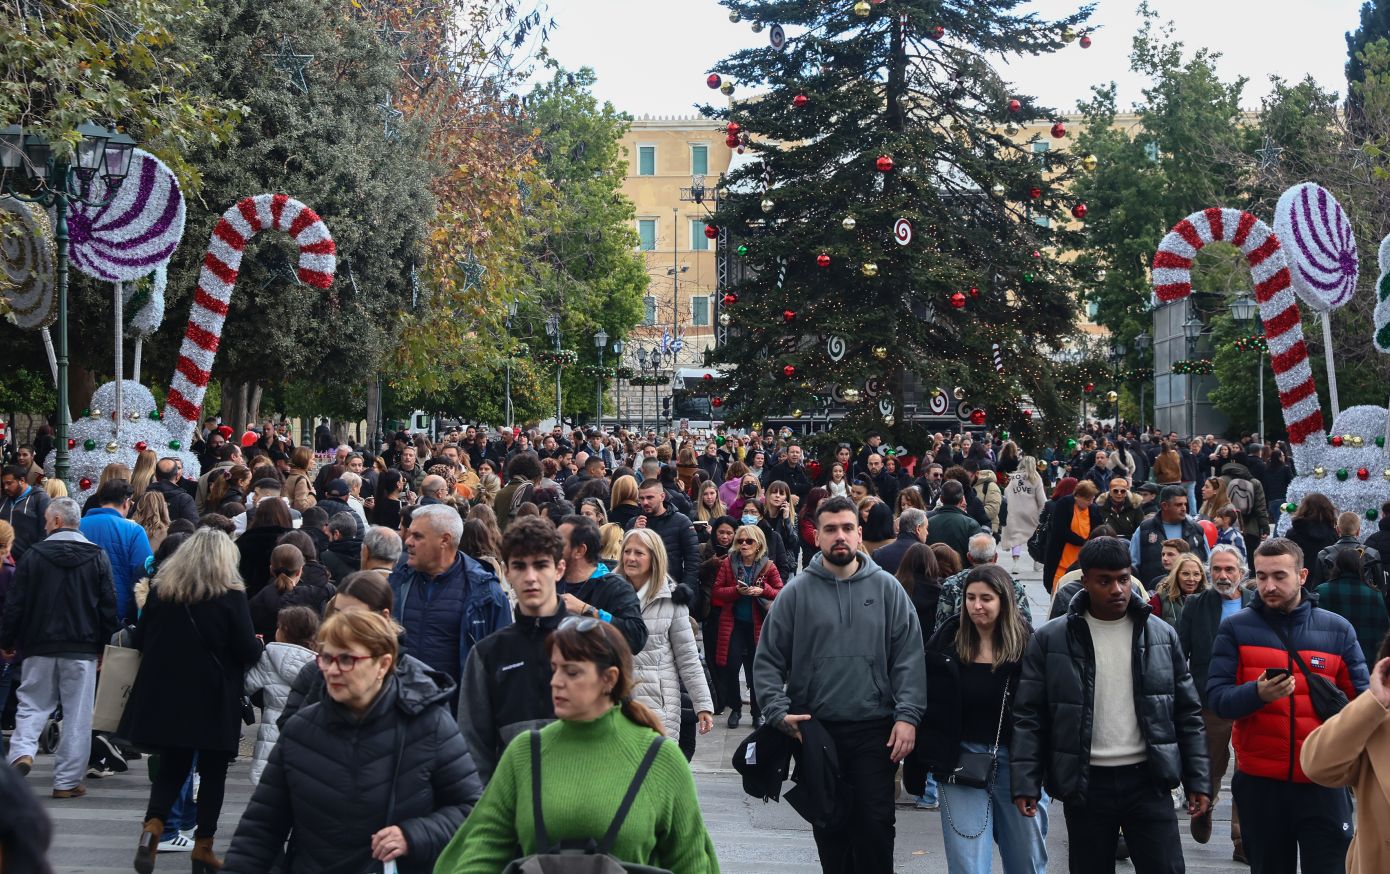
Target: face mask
x,y
749,490
749,520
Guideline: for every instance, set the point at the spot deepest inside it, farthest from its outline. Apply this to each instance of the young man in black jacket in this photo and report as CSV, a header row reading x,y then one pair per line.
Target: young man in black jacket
x,y
505,688
588,588
1108,719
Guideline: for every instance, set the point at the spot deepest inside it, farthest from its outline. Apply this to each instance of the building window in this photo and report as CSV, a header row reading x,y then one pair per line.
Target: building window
x,y
699,311
698,241
649,310
1040,152
646,160
1042,221
646,231
699,160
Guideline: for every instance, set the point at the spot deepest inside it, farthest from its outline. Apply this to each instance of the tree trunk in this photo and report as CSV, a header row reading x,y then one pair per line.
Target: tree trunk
x,y
82,385
236,404
253,403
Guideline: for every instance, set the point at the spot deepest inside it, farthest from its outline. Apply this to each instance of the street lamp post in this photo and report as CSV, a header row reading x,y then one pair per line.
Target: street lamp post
x,y
552,327
618,381
642,378
600,343
1141,345
1244,310
511,314
1192,330
32,173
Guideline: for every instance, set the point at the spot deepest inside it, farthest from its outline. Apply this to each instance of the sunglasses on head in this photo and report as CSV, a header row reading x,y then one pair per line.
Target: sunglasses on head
x,y
582,624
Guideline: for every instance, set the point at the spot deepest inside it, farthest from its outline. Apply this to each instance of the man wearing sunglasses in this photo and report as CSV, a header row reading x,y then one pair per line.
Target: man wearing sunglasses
x,y
505,688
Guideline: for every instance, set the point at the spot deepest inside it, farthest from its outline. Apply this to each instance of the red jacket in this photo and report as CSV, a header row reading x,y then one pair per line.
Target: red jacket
x,y
726,593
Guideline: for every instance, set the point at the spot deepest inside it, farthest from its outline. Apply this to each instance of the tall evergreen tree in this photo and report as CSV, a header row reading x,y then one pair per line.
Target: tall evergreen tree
x,y
1375,24
867,117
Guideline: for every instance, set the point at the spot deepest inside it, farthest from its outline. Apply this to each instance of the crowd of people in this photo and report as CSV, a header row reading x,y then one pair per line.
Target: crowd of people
x,y
461,651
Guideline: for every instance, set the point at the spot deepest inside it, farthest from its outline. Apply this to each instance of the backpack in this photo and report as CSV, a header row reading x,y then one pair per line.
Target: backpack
x,y
1242,495
589,857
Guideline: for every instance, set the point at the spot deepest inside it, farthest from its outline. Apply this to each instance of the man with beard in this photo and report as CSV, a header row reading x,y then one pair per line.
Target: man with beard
x,y
846,626
1203,615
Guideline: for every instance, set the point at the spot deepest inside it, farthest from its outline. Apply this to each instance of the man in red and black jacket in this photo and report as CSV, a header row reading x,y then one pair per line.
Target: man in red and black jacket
x,y
1255,681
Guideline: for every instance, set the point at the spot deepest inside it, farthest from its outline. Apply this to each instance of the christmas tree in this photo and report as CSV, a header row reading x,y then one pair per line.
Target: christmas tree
x,y
896,232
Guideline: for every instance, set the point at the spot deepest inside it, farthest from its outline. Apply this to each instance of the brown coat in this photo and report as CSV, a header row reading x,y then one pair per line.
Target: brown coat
x,y
1167,468
1353,749
297,490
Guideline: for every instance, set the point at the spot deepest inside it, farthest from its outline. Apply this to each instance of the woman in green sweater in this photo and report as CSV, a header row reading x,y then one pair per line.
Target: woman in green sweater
x,y
588,758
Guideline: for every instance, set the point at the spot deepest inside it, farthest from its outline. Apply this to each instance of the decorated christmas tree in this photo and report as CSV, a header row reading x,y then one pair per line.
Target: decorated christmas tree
x,y
897,231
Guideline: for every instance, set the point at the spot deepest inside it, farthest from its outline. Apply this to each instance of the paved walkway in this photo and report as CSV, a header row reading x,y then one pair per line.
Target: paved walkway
x,y
97,834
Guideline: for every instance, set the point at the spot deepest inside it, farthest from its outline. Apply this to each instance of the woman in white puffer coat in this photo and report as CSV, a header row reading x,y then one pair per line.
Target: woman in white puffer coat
x,y
296,629
670,655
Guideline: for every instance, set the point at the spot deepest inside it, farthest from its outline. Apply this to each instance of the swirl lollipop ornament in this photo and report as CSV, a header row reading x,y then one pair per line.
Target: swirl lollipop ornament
x,y
54,174
1321,248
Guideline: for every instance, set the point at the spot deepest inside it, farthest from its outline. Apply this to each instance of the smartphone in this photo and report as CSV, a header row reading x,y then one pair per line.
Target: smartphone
x,y
701,523
1276,673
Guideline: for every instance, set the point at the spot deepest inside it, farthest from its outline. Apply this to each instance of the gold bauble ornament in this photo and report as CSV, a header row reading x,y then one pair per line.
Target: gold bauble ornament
x,y
95,413
767,204
757,426
724,319
997,189
869,269
734,17
1387,473
1113,396
133,416
1319,472
1069,35
1090,162
726,89
862,8
959,393
880,352
796,413
889,420
756,27
1356,440
113,446
936,393
849,223
850,394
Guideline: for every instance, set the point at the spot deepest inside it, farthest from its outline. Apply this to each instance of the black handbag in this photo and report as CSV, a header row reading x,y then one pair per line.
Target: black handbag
x,y
977,770
1328,700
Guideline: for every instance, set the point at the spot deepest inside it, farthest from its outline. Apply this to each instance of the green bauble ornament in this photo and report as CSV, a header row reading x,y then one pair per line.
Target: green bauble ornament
x,y
1071,445
1290,507
1027,277
742,250
1342,474
154,415
1371,515
719,441
1380,441
89,444
174,445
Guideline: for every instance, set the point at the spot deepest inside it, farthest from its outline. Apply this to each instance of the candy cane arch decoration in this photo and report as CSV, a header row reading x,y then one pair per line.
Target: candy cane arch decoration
x,y
1172,280
317,263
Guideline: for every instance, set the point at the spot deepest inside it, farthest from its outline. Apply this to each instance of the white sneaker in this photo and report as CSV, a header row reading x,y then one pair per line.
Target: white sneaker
x,y
179,843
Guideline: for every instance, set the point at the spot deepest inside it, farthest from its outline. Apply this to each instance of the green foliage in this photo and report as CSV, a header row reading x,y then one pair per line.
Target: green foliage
x,y
1374,27
880,85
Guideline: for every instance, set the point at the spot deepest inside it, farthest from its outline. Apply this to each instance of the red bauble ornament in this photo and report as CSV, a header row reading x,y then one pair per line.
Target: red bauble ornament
x,y
141,446
788,315
1337,440
977,417
713,80
1015,105
789,371
1037,254
1363,473
1034,193
1027,414
84,483
707,378
711,231
822,260
716,402
800,100
937,32
958,300
884,164
1090,387
72,444
732,142
730,299
1085,42
974,292
1079,211
733,128
1059,130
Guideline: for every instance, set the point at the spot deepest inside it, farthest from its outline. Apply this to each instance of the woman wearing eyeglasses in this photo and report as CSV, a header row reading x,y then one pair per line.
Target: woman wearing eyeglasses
x,y
670,656
744,590
588,758
375,772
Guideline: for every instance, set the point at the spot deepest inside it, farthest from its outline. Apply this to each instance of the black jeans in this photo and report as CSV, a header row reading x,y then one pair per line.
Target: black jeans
x,y
1123,798
741,651
865,844
174,765
1281,821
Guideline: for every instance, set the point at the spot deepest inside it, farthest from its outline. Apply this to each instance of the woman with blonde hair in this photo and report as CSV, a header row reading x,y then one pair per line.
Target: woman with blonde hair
x,y
622,501
196,643
670,655
610,544
1187,577
489,483
1026,494
55,488
143,476
152,514
744,589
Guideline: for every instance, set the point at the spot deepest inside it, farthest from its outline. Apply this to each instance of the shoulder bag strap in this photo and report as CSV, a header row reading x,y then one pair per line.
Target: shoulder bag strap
x,y
1288,645
1003,708
196,630
633,788
542,839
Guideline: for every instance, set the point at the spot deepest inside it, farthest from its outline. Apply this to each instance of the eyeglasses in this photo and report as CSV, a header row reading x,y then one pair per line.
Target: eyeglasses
x,y
345,661
742,540
582,624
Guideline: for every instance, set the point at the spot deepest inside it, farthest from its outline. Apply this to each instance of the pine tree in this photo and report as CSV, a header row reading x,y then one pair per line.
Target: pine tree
x,y
869,115
1375,25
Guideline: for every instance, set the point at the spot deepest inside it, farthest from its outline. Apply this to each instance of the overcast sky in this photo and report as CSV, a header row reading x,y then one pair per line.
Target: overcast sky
x,y
651,56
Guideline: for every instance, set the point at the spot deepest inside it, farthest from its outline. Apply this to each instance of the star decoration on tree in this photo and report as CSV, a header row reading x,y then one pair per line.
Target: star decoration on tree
x,y
287,61
388,34
473,271
1269,154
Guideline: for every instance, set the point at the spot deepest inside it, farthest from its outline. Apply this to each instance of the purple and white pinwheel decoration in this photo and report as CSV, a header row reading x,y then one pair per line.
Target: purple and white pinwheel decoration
x,y
136,232
1321,246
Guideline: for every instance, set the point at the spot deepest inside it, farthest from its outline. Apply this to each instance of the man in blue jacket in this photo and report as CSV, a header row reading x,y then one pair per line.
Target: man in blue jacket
x,y
126,544
444,599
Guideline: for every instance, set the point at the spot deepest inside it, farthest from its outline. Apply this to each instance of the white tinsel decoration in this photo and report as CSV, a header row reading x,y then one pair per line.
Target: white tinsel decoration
x,y
1353,494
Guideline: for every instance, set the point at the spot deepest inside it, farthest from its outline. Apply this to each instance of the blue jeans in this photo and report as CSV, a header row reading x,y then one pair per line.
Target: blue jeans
x,y
183,816
1022,840
929,793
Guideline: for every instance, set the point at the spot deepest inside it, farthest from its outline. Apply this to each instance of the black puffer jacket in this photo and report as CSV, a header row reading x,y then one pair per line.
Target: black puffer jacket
x,y
1055,707
682,552
329,779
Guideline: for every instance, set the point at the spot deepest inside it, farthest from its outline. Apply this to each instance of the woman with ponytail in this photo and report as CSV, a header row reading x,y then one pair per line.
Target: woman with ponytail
x,y
286,568
588,758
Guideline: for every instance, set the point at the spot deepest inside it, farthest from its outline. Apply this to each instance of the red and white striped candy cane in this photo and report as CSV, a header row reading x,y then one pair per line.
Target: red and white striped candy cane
x,y
1172,279
250,216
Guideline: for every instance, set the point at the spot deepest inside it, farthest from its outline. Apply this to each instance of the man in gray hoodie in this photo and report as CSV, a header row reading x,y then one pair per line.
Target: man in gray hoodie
x,y
842,644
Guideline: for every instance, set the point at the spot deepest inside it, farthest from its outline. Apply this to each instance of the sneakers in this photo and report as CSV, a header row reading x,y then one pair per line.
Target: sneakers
x,y
96,772
179,843
75,792
106,756
923,804
1201,828
23,764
